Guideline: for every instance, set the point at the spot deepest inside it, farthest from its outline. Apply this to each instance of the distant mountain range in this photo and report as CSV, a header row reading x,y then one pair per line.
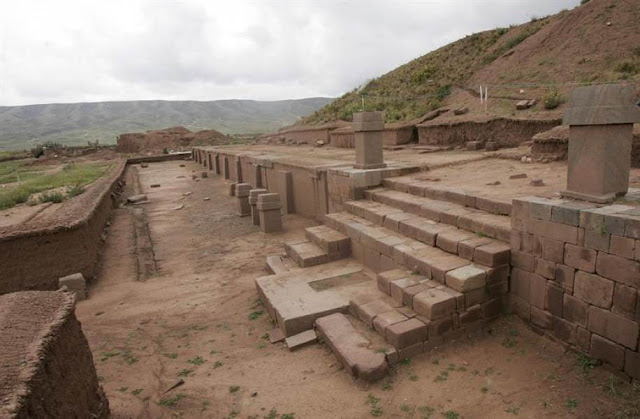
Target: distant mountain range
x,y
75,124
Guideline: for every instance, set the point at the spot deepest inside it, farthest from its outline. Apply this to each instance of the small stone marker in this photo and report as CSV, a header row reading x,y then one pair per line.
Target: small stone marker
x,y
232,188
461,111
518,176
269,207
253,200
242,199
475,145
537,182
205,175
301,339
491,146
137,198
367,127
75,284
600,123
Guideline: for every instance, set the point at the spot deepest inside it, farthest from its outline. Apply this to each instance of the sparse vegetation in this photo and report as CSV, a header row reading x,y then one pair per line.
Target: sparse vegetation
x,y
196,361
373,401
171,401
552,100
234,389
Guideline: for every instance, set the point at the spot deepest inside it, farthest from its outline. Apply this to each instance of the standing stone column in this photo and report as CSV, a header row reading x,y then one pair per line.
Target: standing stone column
x,y
242,199
367,127
600,123
269,206
253,200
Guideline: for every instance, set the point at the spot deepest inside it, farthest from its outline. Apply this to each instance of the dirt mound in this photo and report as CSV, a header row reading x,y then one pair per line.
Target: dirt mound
x,y
174,138
45,363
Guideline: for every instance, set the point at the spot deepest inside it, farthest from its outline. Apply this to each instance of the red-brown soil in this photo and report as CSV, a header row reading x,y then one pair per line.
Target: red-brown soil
x,y
200,318
174,138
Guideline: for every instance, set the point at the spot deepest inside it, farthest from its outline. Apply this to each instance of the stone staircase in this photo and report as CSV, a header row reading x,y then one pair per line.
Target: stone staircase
x,y
442,266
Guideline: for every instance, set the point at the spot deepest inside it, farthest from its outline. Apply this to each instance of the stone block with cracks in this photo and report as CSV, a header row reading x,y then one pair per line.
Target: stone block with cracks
x,y
269,207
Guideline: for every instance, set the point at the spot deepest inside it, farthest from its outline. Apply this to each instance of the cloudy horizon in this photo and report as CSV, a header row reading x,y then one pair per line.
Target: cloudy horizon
x,y
75,51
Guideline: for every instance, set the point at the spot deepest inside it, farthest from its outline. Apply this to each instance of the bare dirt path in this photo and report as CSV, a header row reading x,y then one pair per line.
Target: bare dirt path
x,y
198,319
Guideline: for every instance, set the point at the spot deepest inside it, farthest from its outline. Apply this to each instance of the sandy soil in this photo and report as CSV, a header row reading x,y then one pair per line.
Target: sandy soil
x,y
193,320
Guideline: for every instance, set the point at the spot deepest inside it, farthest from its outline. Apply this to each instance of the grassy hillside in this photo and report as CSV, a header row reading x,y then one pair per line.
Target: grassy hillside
x,y
598,41
75,124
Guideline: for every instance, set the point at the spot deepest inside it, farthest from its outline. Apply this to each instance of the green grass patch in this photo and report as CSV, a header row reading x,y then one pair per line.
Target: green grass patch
x,y
34,180
171,401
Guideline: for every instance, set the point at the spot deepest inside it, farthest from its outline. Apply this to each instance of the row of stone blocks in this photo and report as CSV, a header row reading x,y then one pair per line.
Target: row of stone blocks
x,y
322,244
482,250
425,313
458,196
477,221
264,207
576,275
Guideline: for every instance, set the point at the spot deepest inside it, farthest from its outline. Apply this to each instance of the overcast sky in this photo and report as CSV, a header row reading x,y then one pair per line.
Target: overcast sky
x,y
86,51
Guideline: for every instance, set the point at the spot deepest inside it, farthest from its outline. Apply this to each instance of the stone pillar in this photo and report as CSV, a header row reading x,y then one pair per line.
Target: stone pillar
x,y
284,186
216,161
253,200
257,176
242,199
600,120
238,163
232,188
269,206
367,127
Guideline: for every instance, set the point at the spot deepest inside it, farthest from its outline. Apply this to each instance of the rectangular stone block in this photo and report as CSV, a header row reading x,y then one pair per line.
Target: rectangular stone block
x,y
538,290
519,214
466,278
492,254
520,284
632,364
522,260
551,230
552,250
475,297
382,321
565,276
396,287
625,301
607,351
619,269
613,327
385,279
564,331
467,248
596,240
545,268
554,299
409,292
434,304
622,246
593,289
367,312
575,310
541,318
580,258
407,333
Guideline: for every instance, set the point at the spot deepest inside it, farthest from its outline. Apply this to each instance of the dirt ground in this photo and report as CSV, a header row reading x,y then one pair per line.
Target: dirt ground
x,y
199,319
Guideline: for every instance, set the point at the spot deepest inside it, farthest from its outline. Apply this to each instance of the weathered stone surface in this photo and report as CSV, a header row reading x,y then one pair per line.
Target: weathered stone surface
x,y
384,320
351,348
301,339
575,310
622,246
367,312
564,331
593,289
545,268
613,327
434,304
492,254
538,291
385,278
607,351
407,333
552,250
523,260
520,284
632,364
619,269
580,258
624,301
541,318
565,276
554,300
596,240
396,287
466,278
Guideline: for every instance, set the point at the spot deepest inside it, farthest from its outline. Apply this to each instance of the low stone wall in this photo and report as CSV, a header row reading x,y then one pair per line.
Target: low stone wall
x,y
344,138
576,276
46,366
34,256
506,132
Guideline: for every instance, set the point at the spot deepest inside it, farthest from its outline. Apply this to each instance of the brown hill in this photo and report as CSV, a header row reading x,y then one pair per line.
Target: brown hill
x,y
174,138
597,42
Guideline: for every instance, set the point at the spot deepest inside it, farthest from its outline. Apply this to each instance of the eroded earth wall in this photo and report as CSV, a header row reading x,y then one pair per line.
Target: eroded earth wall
x,y
46,366
33,257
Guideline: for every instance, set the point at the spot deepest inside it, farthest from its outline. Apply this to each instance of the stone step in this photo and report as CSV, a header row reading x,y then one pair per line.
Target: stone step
x,y
305,253
335,244
421,313
277,264
351,348
446,237
382,249
458,196
450,213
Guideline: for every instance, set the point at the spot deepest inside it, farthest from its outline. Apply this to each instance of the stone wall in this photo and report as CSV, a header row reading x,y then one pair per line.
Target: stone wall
x,y
46,366
576,276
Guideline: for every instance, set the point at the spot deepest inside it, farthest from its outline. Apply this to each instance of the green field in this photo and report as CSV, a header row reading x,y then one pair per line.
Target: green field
x,y
19,181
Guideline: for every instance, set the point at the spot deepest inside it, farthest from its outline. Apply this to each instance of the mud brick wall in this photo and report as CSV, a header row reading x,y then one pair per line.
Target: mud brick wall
x,y
34,256
506,132
342,139
46,366
576,276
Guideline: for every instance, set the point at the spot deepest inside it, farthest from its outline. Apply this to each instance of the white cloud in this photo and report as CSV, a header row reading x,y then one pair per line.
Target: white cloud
x,y
75,51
